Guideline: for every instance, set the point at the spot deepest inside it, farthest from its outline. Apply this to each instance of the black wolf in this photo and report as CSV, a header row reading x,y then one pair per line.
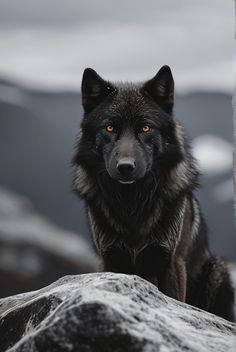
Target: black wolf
x,y
134,169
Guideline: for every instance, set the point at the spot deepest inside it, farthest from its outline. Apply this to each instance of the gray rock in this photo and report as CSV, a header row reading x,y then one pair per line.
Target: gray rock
x,y
108,312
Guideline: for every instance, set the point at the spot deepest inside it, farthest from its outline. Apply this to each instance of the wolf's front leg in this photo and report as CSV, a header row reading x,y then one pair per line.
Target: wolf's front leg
x,y
117,260
159,266
175,281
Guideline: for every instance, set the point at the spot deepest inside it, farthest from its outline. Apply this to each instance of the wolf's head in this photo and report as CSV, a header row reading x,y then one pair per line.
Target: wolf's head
x,y
128,130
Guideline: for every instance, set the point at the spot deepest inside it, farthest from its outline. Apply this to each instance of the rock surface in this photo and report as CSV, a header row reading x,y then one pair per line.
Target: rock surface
x,y
108,312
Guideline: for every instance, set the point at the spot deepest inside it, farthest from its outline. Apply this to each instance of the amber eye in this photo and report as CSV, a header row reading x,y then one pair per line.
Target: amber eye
x,y
145,129
110,128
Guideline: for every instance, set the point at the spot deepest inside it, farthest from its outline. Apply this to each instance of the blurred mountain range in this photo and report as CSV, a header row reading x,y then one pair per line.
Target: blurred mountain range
x,y
35,252
37,136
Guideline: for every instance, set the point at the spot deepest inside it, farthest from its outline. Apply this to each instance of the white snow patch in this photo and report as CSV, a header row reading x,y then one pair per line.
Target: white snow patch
x,y
214,154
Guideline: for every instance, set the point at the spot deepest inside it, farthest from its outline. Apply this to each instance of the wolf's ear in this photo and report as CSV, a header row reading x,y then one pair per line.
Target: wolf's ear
x,y
161,89
94,89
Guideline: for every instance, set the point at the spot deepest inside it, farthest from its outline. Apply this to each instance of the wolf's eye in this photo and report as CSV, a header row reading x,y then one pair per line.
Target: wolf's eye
x,y
110,128
145,129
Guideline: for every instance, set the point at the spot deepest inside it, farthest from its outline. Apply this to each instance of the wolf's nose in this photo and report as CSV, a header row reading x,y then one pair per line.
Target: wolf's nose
x,y
125,166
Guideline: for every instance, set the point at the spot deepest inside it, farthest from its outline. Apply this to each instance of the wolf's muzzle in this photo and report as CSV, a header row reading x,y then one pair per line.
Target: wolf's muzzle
x,y
126,167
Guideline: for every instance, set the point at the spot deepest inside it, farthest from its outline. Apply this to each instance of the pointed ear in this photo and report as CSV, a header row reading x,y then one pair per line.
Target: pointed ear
x,y
161,89
94,89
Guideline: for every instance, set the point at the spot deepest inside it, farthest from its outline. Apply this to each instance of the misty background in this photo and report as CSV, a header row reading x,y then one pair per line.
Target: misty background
x,y
44,48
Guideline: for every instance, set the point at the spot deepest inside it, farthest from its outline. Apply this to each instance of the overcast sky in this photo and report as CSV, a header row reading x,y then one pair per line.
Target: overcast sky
x,y
50,42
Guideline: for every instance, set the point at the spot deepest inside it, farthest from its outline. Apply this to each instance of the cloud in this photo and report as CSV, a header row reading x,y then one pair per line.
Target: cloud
x,y
70,12
128,40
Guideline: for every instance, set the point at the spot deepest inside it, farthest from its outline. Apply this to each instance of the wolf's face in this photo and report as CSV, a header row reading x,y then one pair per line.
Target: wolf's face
x,y
130,127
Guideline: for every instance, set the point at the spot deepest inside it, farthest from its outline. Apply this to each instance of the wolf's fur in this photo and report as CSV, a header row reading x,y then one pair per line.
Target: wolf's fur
x,y
153,227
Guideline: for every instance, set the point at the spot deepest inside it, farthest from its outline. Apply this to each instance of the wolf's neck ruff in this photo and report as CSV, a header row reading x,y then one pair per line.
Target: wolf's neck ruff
x,y
135,171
